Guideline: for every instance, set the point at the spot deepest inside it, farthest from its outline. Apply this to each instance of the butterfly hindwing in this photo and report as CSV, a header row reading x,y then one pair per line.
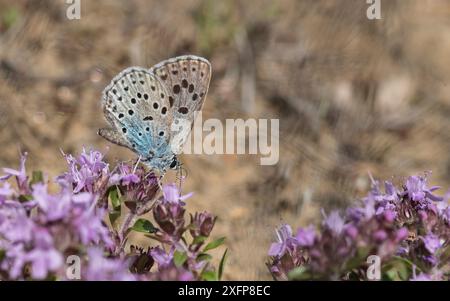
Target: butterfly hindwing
x,y
186,78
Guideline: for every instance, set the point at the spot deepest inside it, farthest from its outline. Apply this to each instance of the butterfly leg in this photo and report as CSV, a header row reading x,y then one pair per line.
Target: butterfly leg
x,y
180,177
137,163
159,181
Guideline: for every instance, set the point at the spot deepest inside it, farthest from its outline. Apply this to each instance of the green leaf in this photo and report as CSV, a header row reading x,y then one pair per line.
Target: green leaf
x,y
37,177
397,269
298,273
113,216
214,244
357,260
199,239
404,260
10,17
25,198
391,275
222,264
445,256
209,276
51,277
114,196
179,258
143,225
203,257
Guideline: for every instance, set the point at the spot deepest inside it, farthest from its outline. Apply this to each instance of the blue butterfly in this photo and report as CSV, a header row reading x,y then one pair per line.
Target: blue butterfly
x,y
145,107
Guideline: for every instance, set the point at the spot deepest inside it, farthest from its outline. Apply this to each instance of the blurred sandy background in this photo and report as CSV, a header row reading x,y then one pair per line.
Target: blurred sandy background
x,y
353,96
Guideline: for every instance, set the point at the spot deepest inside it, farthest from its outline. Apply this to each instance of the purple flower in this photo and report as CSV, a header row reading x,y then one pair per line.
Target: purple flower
x,y
44,261
432,243
44,258
130,179
139,188
351,231
38,227
380,225
421,277
401,234
305,236
14,261
202,224
356,214
434,275
34,246
172,194
21,174
170,218
380,235
391,192
444,211
54,207
90,228
333,222
5,192
389,215
15,226
77,210
375,193
161,257
104,269
88,172
403,251
16,231
172,273
285,242
417,189
126,176
446,214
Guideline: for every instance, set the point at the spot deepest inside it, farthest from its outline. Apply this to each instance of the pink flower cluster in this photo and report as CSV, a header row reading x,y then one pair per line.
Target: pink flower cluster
x,y
408,228
43,223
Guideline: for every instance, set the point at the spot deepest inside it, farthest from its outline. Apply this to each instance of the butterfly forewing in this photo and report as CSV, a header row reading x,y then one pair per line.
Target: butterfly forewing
x,y
136,106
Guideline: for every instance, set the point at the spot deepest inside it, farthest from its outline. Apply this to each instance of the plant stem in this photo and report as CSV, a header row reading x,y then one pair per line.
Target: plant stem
x,y
129,218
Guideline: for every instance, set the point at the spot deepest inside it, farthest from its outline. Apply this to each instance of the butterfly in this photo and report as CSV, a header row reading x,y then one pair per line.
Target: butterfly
x,y
152,111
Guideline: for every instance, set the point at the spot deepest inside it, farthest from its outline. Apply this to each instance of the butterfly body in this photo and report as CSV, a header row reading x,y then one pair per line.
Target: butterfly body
x,y
143,106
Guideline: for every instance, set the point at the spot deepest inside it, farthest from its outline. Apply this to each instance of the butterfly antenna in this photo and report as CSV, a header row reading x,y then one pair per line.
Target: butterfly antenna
x,y
159,181
185,171
179,177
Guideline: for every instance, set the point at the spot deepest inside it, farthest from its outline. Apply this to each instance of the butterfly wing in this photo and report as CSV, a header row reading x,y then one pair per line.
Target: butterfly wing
x,y
186,79
136,106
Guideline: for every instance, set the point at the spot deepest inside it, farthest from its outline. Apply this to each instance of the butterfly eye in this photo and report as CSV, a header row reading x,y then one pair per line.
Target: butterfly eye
x,y
174,163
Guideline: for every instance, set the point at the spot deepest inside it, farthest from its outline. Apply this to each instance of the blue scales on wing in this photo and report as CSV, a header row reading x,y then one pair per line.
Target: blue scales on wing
x,y
136,106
